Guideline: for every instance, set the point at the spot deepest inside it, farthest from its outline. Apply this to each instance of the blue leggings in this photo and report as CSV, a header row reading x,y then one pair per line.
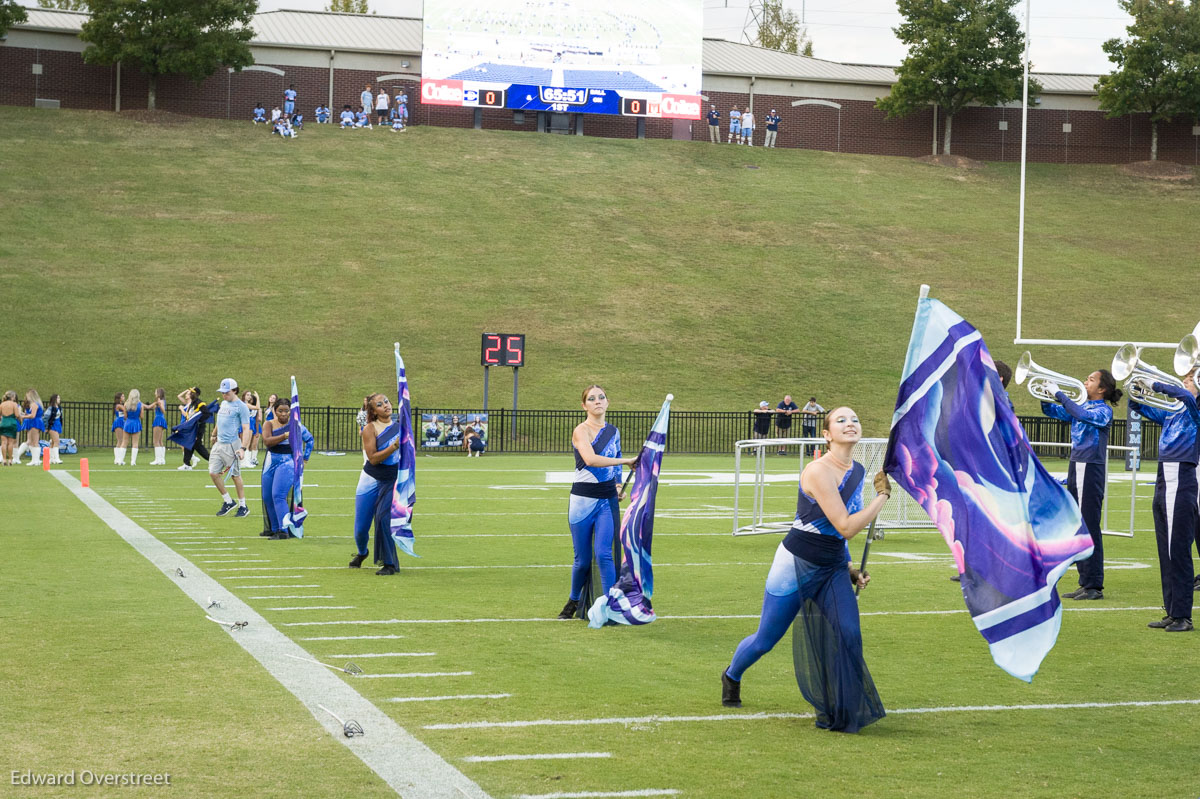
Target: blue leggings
x,y
373,502
277,481
593,522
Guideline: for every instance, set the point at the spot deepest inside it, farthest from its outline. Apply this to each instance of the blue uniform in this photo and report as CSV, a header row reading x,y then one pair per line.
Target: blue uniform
x,y
714,118
55,417
260,114
160,419
1087,473
373,500
37,422
278,478
772,121
289,101
133,420
1175,496
322,115
735,121
347,118
118,419
594,513
810,577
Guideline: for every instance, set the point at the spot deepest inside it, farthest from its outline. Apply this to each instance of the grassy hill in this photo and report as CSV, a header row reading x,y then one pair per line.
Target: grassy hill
x,y
144,254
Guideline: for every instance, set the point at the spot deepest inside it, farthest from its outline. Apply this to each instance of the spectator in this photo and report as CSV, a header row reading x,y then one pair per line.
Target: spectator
x,y
762,420
748,127
714,126
382,103
397,122
322,114
10,423
735,124
772,129
346,117
783,418
289,99
260,114
363,118
808,419
366,98
275,114
283,126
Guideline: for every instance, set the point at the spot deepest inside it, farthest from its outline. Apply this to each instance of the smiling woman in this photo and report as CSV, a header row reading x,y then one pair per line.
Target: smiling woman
x,y
373,497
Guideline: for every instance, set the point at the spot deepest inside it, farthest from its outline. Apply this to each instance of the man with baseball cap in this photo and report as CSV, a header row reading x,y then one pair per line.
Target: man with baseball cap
x,y
232,434
762,420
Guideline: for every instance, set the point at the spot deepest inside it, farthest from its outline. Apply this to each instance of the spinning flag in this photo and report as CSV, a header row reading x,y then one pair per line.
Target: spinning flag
x,y
628,602
956,446
293,521
405,494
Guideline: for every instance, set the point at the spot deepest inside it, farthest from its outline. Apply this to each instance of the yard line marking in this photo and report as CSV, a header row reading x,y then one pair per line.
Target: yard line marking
x,y
353,637
233,561
476,725
411,768
682,617
443,698
386,655
409,674
265,577
600,794
296,596
252,587
317,607
557,756
210,549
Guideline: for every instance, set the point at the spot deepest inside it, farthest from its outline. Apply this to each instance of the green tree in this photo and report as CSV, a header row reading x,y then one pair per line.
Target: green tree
x,y
1157,67
11,14
67,5
779,29
160,37
959,52
348,6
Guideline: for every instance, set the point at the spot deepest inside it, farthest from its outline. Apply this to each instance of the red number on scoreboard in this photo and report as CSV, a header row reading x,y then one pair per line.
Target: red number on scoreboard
x,y
515,354
491,349
635,106
490,98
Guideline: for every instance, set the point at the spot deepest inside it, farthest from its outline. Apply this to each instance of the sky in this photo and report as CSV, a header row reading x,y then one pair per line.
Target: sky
x,y
1067,34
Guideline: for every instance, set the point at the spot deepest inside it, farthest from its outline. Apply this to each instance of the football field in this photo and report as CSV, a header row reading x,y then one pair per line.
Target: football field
x,y
112,667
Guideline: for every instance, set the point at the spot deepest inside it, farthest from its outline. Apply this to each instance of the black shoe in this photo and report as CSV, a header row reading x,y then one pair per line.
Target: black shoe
x,y
242,512
357,561
1073,594
267,533
1088,593
387,570
226,507
731,691
282,535
957,578
1179,626
1164,622
568,611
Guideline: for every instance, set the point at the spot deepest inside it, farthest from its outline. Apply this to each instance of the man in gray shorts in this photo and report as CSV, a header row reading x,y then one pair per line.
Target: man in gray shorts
x,y
232,435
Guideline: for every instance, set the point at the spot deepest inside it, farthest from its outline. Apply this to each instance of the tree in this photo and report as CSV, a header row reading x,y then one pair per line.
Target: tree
x,y
160,37
1158,67
959,52
348,6
66,5
779,29
11,14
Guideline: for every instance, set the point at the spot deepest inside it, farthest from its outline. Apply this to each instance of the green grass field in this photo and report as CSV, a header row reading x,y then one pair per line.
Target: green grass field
x,y
109,667
152,255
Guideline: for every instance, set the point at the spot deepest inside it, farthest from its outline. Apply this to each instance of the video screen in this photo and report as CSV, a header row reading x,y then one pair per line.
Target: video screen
x,y
628,57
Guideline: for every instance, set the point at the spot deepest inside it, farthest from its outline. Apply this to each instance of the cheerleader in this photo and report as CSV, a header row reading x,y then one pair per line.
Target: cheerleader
x,y
280,471
252,402
376,485
54,425
33,425
10,425
592,515
159,427
1175,500
118,427
811,576
1086,474
133,424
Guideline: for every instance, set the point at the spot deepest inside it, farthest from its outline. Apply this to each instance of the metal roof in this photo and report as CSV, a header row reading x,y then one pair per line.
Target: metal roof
x,y
326,30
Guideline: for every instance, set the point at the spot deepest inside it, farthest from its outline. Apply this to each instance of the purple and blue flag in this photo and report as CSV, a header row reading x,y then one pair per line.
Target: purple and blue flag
x,y
956,446
628,601
294,520
404,497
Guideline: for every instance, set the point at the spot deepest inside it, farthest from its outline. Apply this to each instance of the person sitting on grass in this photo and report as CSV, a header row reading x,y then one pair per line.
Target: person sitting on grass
x,y
362,119
298,122
275,114
347,117
283,126
322,114
260,114
397,122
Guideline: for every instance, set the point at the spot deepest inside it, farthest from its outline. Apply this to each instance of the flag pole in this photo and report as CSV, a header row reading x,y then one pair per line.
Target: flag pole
x,y
866,551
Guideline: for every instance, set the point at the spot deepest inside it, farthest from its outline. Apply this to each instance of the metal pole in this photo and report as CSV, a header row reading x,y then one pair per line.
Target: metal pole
x,y
485,387
513,429
1024,140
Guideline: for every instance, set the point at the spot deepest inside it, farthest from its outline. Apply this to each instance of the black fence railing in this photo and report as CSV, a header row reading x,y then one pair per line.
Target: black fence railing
x,y
546,431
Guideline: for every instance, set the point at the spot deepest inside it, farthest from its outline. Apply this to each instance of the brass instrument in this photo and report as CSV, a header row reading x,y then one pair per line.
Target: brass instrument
x,y
1044,382
1140,376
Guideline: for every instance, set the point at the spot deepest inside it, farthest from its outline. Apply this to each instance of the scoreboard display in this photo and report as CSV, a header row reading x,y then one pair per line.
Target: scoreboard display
x,y
502,349
620,57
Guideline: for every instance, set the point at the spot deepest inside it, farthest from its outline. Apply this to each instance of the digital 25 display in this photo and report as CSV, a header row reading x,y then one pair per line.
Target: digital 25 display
x,y
502,349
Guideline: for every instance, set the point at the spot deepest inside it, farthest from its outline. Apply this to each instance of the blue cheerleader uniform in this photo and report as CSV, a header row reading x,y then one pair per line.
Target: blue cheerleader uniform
x,y
37,422
56,420
277,480
118,419
255,428
160,420
373,500
594,514
810,578
133,421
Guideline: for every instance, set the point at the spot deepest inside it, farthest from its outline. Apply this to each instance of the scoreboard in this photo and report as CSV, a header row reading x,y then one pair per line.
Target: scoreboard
x,y
502,349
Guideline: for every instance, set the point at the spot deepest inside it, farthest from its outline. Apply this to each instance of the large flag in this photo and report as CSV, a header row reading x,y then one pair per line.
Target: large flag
x,y
405,495
956,446
294,520
628,602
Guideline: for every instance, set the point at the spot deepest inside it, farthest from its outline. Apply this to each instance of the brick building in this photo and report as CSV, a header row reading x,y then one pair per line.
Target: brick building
x,y
824,105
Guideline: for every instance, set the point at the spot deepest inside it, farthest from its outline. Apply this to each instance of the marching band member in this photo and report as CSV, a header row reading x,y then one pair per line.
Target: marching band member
x,y
376,485
593,515
811,576
1175,499
280,471
1086,474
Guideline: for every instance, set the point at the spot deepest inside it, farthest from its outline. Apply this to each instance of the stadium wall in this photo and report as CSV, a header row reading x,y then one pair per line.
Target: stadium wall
x,y
1063,129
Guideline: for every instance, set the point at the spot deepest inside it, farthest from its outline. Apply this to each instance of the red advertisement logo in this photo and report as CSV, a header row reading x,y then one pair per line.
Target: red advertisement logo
x,y
680,106
443,92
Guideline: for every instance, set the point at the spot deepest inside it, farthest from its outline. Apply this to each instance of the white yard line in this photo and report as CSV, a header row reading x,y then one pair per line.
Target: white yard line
x,y
412,769
296,596
554,756
353,638
255,587
385,655
445,698
414,674
600,794
316,607
476,725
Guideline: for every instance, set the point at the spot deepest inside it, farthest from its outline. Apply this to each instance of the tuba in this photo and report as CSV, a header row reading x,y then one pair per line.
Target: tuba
x,y
1140,376
1042,381
1187,356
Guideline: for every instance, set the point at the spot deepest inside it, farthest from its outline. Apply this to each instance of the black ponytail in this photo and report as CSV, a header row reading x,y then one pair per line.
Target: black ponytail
x,y
1108,385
